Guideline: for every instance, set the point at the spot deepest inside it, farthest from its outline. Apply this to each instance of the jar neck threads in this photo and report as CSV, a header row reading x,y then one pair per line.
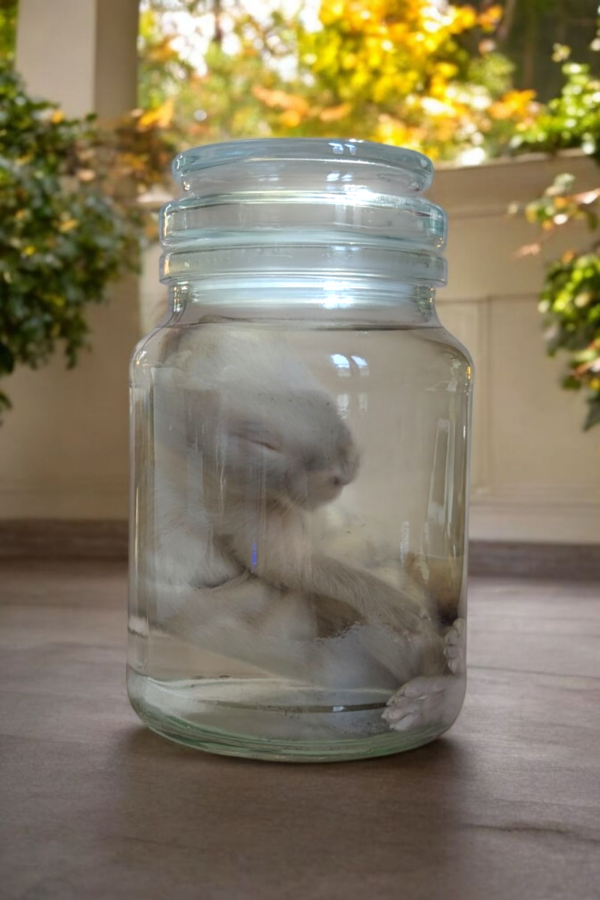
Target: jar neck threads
x,y
329,301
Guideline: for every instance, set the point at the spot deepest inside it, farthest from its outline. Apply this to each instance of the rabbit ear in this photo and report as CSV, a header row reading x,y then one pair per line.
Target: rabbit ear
x,y
190,419
210,420
202,415
181,415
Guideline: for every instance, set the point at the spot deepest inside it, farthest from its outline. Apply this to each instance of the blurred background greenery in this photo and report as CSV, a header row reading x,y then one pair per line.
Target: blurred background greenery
x,y
462,82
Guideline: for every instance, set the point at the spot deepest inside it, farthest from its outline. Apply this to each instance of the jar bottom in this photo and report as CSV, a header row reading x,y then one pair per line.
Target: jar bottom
x,y
268,719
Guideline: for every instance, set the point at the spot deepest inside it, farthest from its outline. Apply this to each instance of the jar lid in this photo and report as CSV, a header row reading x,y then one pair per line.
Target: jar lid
x,y
303,192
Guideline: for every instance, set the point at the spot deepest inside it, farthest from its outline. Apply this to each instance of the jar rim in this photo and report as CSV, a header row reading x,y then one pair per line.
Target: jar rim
x,y
350,150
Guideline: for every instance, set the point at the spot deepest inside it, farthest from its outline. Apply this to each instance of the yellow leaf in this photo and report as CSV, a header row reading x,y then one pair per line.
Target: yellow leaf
x,y
490,18
159,117
531,214
335,113
67,225
464,18
290,118
514,104
281,99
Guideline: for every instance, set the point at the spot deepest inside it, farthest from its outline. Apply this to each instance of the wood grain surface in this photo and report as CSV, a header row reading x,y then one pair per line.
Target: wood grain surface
x,y
507,805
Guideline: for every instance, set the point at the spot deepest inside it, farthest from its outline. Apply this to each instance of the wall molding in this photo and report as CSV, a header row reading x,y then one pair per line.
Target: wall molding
x,y
108,539
473,192
64,538
573,562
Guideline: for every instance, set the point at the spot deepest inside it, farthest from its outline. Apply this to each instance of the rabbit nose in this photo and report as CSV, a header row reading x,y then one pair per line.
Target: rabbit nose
x,y
340,480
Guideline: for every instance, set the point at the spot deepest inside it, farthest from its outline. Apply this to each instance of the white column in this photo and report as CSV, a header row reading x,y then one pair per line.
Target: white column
x,y
63,448
80,53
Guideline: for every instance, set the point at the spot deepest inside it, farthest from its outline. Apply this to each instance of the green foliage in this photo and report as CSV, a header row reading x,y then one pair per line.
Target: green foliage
x,y
570,120
8,29
570,303
67,223
570,300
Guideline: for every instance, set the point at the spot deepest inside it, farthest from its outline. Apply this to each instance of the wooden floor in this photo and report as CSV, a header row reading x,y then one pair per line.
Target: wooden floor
x,y
507,805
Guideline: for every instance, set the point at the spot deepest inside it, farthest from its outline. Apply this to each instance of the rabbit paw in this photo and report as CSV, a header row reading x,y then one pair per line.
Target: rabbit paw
x,y
418,703
455,647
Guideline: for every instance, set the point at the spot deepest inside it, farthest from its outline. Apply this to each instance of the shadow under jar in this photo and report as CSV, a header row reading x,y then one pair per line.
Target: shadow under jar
x,y
300,438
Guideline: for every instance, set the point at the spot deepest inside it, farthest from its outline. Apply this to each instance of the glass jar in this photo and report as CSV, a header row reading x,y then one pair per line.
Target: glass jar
x,y
300,427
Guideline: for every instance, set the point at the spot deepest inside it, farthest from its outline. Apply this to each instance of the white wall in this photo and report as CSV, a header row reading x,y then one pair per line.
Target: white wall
x,y
536,475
